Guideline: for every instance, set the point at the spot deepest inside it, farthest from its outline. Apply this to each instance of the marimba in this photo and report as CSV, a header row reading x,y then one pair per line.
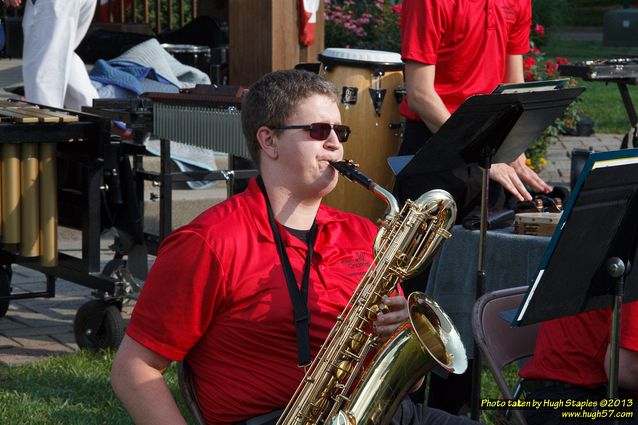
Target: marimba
x,y
28,177
52,171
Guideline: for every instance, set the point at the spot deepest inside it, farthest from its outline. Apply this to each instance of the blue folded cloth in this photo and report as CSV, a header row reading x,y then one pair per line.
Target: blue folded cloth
x,y
128,78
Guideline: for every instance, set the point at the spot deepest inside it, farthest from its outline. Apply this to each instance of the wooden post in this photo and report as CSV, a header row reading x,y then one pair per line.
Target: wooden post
x,y
264,37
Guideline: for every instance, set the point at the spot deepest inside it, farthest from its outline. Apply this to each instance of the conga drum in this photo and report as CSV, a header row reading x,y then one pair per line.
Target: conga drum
x,y
368,82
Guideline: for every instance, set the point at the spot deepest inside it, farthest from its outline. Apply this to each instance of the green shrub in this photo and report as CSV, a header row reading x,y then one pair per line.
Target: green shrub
x,y
550,13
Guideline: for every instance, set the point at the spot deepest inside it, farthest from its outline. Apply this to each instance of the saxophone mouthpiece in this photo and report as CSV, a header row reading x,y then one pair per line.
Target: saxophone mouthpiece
x,y
348,168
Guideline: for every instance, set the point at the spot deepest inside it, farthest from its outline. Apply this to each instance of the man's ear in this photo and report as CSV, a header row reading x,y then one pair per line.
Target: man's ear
x,y
267,142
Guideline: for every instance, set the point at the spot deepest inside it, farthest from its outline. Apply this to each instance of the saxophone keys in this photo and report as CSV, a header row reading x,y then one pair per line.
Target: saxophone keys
x,y
374,311
443,233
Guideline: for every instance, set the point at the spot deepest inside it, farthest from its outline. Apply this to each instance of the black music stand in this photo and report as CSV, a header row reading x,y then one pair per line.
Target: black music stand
x,y
588,263
486,130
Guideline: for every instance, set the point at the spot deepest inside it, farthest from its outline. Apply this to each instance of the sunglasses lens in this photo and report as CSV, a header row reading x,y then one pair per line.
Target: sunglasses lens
x,y
320,131
343,131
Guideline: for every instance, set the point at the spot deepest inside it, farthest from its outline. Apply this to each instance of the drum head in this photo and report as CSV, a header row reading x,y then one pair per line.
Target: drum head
x,y
361,58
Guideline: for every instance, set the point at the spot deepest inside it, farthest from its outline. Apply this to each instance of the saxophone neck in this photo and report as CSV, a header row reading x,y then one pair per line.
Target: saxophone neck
x,y
348,169
389,199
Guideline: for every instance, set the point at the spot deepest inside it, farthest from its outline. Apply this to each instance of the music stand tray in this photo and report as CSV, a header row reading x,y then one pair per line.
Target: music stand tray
x,y
499,127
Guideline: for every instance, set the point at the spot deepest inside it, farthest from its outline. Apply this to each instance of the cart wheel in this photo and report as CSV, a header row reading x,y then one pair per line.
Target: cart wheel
x,y
98,325
5,288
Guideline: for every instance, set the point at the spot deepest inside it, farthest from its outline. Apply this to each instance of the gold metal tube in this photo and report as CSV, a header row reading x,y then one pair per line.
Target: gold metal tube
x,y
11,193
48,206
30,220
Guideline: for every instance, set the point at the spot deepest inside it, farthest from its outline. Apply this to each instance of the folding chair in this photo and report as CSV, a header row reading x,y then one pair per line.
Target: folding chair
x,y
189,394
500,343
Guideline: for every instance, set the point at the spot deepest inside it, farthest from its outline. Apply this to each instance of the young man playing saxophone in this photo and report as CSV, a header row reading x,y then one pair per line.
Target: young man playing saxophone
x,y
218,296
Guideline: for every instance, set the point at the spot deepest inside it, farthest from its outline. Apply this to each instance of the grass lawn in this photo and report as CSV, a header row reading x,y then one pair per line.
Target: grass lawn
x,y
75,390
71,390
600,101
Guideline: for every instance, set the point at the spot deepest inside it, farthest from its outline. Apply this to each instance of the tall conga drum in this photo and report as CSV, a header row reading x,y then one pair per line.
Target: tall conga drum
x,y
369,83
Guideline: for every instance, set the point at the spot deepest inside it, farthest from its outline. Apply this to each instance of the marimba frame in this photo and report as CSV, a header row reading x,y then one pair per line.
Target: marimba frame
x,y
98,323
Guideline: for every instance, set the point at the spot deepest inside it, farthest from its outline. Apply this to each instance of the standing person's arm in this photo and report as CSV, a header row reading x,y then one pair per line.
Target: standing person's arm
x,y
137,378
514,69
422,97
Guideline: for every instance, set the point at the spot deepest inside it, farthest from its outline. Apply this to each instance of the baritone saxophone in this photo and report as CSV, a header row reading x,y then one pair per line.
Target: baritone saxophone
x,y
337,388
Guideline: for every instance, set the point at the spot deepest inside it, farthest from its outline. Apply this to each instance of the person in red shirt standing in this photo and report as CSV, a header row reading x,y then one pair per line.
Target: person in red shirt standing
x,y
571,361
453,50
221,292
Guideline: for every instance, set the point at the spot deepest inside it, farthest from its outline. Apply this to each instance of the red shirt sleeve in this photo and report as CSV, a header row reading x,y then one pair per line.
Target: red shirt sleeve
x,y
184,288
423,26
518,43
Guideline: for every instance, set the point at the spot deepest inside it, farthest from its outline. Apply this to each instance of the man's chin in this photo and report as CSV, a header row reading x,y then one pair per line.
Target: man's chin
x,y
328,187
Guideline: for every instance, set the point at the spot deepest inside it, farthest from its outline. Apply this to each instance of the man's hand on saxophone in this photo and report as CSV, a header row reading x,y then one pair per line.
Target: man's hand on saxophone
x,y
397,313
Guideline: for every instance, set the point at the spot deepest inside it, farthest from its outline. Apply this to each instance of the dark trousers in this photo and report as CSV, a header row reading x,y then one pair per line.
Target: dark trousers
x,y
411,413
408,413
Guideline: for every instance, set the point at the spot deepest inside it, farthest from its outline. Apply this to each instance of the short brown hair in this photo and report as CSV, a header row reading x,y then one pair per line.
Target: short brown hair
x,y
274,98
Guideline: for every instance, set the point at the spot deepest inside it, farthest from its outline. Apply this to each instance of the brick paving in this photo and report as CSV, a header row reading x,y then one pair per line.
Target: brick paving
x,y
38,327
557,170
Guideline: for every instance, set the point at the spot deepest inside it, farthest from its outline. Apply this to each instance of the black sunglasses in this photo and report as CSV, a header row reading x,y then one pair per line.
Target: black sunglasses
x,y
321,130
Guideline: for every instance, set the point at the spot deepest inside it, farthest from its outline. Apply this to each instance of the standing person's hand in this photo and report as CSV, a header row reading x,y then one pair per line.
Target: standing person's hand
x,y
528,175
508,178
513,177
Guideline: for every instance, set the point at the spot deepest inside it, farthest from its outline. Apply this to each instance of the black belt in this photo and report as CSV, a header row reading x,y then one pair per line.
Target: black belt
x,y
265,419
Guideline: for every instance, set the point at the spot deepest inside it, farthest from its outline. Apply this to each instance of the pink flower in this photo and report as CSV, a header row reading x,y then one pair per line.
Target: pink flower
x,y
396,8
536,50
528,62
539,29
562,61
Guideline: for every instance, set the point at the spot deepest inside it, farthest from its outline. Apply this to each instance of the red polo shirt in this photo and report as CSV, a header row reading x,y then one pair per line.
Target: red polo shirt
x,y
467,40
572,349
217,294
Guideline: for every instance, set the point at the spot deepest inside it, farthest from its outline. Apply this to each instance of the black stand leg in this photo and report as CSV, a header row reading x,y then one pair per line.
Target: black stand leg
x,y
615,269
480,285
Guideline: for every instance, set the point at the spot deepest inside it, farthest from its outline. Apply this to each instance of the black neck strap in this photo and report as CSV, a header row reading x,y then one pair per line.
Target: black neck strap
x,y
298,296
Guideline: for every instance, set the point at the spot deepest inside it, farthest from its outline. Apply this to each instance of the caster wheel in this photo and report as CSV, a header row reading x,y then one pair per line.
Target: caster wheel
x,y
5,288
98,325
